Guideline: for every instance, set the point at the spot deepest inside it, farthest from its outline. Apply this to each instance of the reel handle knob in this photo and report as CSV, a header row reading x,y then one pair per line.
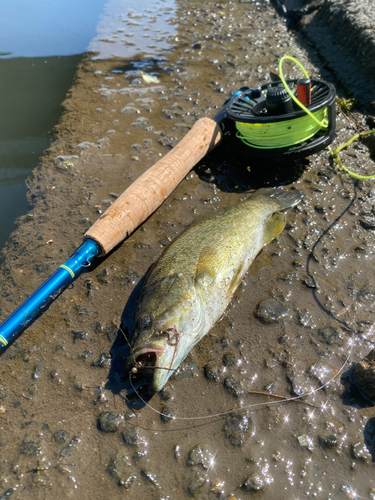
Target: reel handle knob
x,y
278,101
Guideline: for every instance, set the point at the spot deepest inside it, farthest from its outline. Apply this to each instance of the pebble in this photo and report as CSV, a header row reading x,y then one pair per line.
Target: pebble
x,y
151,478
187,369
110,421
200,455
271,310
85,354
360,452
104,275
79,335
196,484
68,450
140,122
238,428
121,468
255,482
166,415
37,370
131,436
331,335
328,442
103,360
323,372
30,447
87,145
60,436
229,358
306,441
130,110
213,370
130,277
233,386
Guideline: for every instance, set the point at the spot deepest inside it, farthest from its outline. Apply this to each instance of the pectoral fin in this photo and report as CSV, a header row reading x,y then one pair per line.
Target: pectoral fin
x,y
273,227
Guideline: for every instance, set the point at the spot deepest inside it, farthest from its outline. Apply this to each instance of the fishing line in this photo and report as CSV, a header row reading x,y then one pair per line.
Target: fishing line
x,y
246,407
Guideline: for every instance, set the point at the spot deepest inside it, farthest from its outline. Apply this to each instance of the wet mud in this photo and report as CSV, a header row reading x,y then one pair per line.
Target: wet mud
x,y
71,425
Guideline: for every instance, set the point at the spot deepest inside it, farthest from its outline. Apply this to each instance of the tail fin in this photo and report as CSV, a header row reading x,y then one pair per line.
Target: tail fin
x,y
283,198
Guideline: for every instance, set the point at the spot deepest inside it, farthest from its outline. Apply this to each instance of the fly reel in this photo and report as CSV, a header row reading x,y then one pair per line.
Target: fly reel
x,y
283,120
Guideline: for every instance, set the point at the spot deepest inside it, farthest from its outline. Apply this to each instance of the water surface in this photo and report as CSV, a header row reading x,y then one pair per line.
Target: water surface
x,y
41,44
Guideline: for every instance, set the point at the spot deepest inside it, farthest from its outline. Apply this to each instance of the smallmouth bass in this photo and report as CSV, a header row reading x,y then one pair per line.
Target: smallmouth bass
x,y
188,289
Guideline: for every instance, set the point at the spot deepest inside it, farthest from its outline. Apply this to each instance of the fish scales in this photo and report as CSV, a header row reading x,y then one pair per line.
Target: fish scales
x,y
188,289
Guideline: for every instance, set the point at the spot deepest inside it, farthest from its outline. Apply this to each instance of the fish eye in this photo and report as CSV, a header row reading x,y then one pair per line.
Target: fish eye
x,y
144,322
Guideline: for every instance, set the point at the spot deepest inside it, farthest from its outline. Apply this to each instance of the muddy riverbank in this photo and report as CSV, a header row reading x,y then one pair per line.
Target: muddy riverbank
x,y
302,316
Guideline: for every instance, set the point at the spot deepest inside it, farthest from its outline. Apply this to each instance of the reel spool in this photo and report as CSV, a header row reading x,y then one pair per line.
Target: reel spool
x,y
271,124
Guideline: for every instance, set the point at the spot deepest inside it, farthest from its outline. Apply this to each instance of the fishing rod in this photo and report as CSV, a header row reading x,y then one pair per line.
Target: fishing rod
x,y
286,119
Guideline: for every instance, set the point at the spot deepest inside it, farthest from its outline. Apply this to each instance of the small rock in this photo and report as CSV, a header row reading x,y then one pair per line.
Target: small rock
x,y
166,415
177,452
30,447
368,222
130,277
238,428
87,145
131,436
151,478
360,452
103,361
328,442
229,359
187,369
165,394
110,421
233,386
85,354
200,455
60,436
103,276
140,122
196,484
37,370
130,110
213,370
68,450
306,441
323,372
331,335
120,468
310,282
271,310
255,482
79,335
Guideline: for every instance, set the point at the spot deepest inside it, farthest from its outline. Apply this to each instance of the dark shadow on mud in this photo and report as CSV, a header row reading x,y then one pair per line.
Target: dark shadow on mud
x,y
369,435
232,169
352,395
119,378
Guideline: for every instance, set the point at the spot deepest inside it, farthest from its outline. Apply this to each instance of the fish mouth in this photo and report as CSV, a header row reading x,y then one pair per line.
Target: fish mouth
x,y
151,361
144,360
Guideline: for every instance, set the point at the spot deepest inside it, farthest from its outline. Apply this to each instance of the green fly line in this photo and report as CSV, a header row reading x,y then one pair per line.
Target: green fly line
x,y
284,133
291,132
336,158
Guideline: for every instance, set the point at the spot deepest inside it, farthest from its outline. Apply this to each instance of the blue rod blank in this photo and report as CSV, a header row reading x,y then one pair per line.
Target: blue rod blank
x,y
61,278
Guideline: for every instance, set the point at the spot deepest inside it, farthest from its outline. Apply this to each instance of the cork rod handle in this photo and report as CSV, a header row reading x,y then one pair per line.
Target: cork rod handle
x,y
151,189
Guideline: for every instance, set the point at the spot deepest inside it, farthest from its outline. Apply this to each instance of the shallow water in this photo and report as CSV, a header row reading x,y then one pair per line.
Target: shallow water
x,y
70,425
40,46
